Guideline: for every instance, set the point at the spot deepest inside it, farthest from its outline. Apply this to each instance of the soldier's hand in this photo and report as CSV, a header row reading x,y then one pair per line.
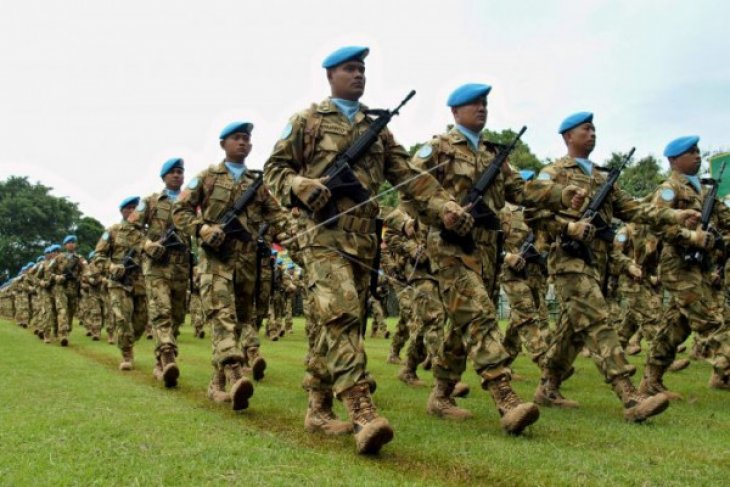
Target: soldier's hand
x,y
311,192
581,230
573,197
457,219
410,228
687,218
634,271
59,279
116,271
716,278
154,249
514,261
701,239
212,235
654,280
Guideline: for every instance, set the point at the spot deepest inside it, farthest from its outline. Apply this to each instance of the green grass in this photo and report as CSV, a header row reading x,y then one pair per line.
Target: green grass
x,y
69,417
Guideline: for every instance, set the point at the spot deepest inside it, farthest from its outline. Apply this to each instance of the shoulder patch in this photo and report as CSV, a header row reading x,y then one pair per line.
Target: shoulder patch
x,y
544,176
286,132
105,236
727,202
668,194
425,151
141,206
621,237
193,183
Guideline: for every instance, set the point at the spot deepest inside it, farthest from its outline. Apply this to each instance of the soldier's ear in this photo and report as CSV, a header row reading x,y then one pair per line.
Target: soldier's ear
x,y
221,144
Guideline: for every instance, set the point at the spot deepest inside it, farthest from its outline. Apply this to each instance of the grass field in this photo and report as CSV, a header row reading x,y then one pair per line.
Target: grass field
x,y
69,417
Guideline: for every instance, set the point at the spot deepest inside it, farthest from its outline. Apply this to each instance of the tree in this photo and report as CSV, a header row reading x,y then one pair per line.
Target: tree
x,y
638,178
31,219
522,157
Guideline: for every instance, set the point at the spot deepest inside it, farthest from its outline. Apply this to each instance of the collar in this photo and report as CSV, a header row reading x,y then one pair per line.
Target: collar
x,y
473,138
348,108
694,181
585,164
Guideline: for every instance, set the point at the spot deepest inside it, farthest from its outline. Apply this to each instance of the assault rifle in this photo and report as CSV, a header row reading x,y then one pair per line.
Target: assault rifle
x,y
341,180
700,257
484,217
68,271
171,241
231,225
530,254
130,265
592,216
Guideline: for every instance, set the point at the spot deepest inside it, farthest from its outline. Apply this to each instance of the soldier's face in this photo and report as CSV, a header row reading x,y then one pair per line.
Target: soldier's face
x,y
472,115
689,162
174,179
347,80
237,146
582,138
126,211
71,246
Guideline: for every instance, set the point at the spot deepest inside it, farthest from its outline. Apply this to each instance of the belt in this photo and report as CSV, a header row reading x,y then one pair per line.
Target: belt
x,y
349,223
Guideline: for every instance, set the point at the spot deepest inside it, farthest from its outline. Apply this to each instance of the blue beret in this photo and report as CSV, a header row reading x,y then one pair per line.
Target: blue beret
x,y
54,248
279,261
29,265
40,258
290,265
344,54
171,164
70,238
572,121
92,254
467,93
129,200
527,174
274,252
47,250
679,146
233,127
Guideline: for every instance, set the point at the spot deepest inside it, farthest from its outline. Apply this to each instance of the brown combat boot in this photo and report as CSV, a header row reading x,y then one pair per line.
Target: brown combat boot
x,y
633,349
638,407
441,402
386,334
46,337
157,370
679,364
256,362
371,430
64,339
217,387
652,383
110,338
408,376
88,332
241,387
461,389
719,381
516,415
394,359
321,418
682,348
548,392
127,362
170,370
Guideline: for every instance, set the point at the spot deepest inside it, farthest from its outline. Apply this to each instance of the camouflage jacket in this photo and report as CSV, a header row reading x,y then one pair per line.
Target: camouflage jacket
x,y
516,228
411,253
642,247
115,243
68,265
310,143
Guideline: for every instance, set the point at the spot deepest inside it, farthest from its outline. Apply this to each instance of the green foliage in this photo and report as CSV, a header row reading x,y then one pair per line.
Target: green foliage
x,y
31,219
638,178
522,157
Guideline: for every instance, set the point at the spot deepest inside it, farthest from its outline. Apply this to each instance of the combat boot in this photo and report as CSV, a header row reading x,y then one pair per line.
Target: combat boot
x,y
157,370
46,337
127,362
321,418
461,389
637,406
386,334
64,339
633,349
652,383
408,375
217,387
679,364
719,381
201,334
256,362
110,338
241,388
371,430
548,392
88,332
394,359
441,402
170,370
682,348
516,415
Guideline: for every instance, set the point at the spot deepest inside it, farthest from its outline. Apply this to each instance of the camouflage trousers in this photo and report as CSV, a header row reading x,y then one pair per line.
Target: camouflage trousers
x,y
290,301
311,325
692,308
37,320
22,309
339,288
94,314
525,323
472,330
227,294
66,298
166,308
584,322
642,313
197,319
264,297
129,308
405,298
378,322
276,314
427,323
50,318
108,313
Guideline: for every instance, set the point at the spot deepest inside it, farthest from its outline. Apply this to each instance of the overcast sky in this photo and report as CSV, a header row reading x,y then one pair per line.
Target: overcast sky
x,y
96,95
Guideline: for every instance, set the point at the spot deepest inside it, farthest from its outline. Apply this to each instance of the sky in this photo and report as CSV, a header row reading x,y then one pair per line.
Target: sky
x,y
95,96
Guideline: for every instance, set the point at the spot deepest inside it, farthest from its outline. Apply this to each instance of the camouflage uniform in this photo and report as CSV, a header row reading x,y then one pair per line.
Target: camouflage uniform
x,y
376,308
525,290
275,324
691,306
127,300
338,260
92,280
21,300
289,282
166,279
66,270
197,317
395,267
46,283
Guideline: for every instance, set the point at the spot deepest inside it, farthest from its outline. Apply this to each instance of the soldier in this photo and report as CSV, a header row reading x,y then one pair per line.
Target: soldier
x,y
375,303
578,278
36,315
197,317
275,324
118,251
21,297
337,258
394,265
290,279
66,270
687,279
92,280
48,302
166,269
228,265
